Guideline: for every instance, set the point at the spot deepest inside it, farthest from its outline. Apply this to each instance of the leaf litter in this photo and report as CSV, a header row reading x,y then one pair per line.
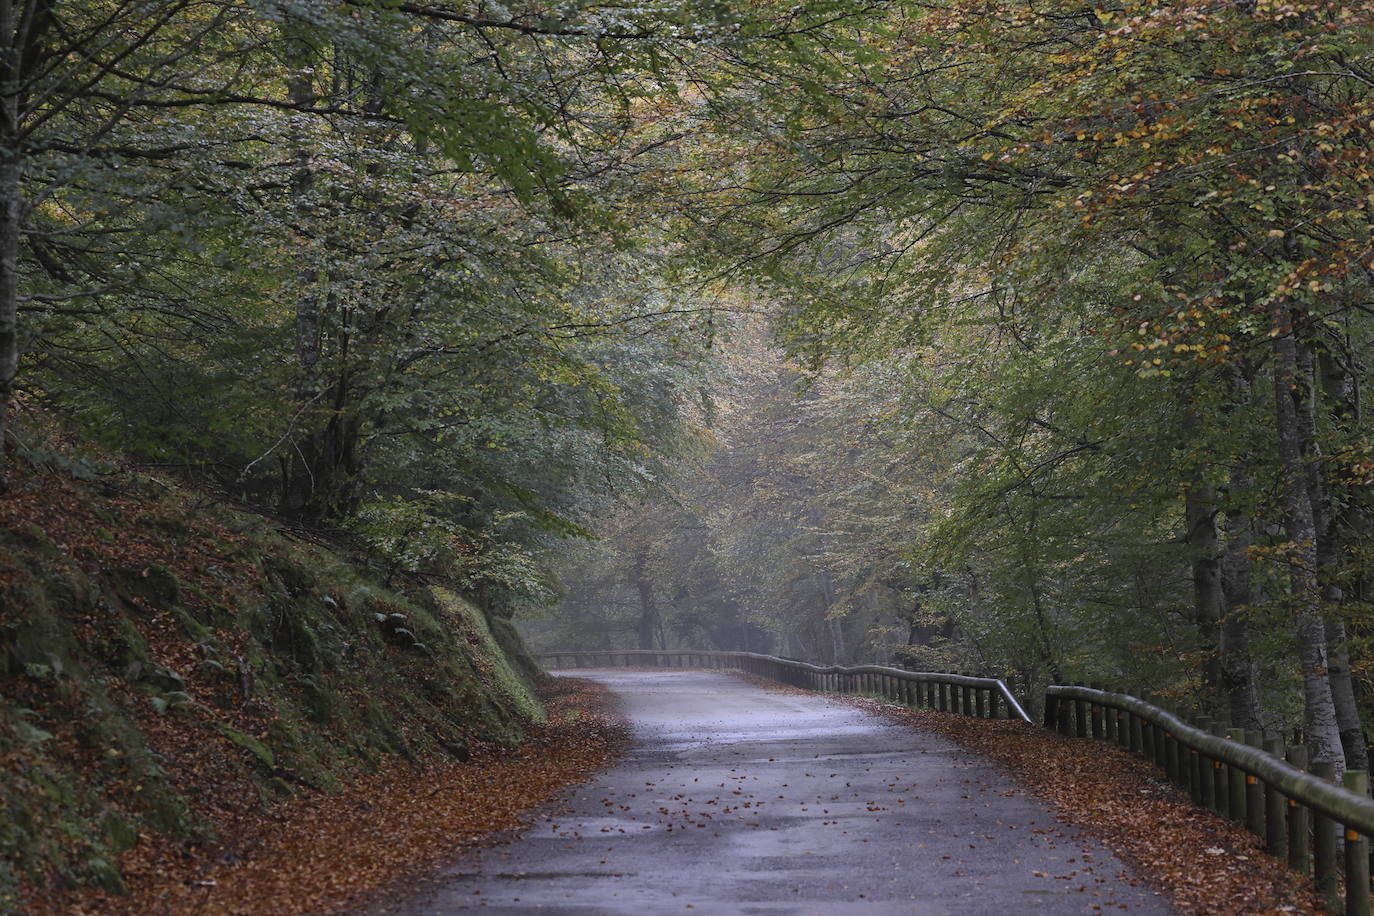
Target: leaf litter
x,y
321,853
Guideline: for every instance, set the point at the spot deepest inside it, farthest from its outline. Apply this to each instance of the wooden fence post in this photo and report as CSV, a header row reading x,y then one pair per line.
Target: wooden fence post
x,y
1356,854
1299,821
1236,780
1254,789
1275,809
1221,779
1175,758
1325,873
1203,778
1052,712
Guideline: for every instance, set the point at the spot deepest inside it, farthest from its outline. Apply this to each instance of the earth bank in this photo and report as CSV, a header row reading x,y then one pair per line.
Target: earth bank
x,y
172,670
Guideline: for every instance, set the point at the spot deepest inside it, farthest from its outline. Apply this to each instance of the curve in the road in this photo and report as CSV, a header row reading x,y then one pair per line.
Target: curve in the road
x,y
737,799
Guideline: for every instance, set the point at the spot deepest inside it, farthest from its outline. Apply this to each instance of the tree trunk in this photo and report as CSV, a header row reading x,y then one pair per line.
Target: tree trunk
x,y
1330,536
1319,711
839,651
1343,695
304,489
1237,666
648,605
1031,563
300,91
1238,675
11,213
1200,536
1200,510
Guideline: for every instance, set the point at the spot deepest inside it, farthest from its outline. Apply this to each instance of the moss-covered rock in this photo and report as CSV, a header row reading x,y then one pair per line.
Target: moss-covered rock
x,y
154,584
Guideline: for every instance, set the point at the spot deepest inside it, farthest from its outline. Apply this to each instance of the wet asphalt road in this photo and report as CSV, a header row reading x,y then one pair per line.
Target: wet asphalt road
x,y
735,799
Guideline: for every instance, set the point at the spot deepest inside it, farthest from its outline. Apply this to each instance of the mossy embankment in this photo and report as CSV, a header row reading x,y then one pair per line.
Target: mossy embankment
x,y
170,669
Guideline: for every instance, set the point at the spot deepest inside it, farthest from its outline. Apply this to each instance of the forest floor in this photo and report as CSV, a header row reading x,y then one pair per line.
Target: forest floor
x,y
321,853
1204,863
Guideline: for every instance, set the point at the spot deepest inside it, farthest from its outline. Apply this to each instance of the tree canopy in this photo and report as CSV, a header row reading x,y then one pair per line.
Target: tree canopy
x,y
1027,338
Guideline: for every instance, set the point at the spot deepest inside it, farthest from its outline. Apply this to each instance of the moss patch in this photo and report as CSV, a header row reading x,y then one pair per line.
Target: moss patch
x,y
490,660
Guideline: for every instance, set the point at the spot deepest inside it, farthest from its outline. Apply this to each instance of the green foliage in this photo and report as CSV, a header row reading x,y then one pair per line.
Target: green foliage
x,y
1086,290
1092,236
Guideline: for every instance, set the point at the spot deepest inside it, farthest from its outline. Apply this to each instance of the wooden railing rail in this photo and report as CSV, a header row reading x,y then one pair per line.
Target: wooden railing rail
x,y
1294,808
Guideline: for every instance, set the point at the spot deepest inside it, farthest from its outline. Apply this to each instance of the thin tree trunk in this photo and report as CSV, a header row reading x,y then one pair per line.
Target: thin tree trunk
x,y
839,652
1200,536
300,90
1032,566
11,213
648,606
1330,533
301,489
1319,711
1200,510
1238,676
1237,666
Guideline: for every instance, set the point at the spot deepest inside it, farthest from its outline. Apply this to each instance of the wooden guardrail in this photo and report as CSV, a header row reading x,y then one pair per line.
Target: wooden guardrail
x,y
1303,817
1295,808
985,697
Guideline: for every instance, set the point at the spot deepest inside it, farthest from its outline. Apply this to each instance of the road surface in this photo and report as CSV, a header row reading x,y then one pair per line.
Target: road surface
x,y
737,799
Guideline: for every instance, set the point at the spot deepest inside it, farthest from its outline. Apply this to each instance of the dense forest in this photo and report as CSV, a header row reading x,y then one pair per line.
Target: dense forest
x,y
1019,338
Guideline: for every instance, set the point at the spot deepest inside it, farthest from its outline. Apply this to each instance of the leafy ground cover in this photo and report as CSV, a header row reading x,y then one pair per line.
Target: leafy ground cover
x,y
176,674
322,852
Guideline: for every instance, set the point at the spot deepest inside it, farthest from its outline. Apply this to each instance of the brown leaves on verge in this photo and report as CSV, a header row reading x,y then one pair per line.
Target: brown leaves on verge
x,y
319,853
